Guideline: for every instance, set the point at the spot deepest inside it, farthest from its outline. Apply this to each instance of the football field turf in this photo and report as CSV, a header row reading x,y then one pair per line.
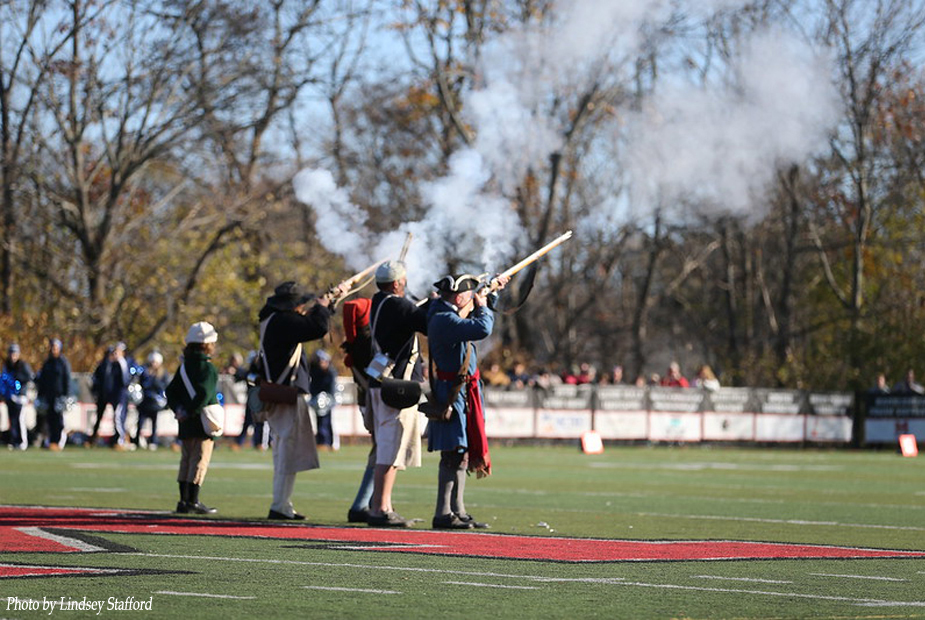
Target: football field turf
x,y
635,532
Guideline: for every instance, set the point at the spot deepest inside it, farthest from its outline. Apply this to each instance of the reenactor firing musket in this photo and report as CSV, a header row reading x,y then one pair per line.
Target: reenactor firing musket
x,y
358,280
492,284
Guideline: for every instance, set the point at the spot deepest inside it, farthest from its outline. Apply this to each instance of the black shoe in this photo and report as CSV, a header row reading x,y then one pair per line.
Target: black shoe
x,y
201,509
279,516
358,516
388,519
182,508
467,518
450,522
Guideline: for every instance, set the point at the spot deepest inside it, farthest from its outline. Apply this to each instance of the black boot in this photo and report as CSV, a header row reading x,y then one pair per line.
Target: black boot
x,y
183,505
195,506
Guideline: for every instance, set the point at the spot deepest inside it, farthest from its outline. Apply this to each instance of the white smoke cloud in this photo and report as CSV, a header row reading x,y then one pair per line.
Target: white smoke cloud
x,y
341,225
720,145
717,143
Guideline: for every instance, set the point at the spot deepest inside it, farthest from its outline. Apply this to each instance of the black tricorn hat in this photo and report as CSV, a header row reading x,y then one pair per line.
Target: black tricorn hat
x,y
287,296
457,284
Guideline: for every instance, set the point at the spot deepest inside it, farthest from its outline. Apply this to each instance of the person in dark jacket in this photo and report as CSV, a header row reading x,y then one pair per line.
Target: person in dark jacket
x,y
395,323
53,385
322,388
153,381
16,375
187,403
288,319
110,388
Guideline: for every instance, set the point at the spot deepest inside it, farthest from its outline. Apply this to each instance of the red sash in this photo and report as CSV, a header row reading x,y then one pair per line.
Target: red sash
x,y
479,460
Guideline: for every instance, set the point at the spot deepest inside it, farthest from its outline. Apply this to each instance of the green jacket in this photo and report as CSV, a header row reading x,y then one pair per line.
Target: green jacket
x,y
204,378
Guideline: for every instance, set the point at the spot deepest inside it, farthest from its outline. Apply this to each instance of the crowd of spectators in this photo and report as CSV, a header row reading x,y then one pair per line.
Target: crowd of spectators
x,y
519,377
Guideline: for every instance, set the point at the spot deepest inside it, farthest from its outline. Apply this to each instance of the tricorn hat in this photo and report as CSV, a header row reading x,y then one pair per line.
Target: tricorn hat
x,y
287,296
457,284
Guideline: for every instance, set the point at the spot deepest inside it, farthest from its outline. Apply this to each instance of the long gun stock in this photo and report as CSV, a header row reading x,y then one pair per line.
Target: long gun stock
x,y
523,264
352,284
491,285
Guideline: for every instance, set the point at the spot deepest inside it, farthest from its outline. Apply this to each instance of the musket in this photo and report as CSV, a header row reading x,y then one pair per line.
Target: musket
x,y
353,283
404,248
489,285
492,284
358,280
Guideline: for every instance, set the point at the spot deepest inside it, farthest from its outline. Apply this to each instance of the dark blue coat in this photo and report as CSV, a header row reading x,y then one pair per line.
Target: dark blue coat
x,y
447,335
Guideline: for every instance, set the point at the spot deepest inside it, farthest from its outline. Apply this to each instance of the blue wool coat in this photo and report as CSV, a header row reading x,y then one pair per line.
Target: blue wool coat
x,y
447,335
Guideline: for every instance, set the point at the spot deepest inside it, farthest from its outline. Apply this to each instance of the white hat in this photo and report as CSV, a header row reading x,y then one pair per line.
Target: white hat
x,y
390,271
201,332
154,357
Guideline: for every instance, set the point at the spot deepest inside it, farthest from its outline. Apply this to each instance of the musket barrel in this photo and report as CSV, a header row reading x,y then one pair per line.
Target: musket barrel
x,y
538,254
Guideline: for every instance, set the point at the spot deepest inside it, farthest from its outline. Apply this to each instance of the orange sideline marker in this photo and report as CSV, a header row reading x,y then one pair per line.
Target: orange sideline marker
x,y
908,445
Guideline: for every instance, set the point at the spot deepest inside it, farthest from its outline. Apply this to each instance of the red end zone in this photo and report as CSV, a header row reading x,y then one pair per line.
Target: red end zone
x,y
56,530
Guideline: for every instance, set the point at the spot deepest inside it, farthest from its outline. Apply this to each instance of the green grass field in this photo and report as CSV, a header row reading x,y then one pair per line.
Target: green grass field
x,y
828,497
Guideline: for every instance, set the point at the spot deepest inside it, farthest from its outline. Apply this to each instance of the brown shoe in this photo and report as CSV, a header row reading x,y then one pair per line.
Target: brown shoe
x,y
387,519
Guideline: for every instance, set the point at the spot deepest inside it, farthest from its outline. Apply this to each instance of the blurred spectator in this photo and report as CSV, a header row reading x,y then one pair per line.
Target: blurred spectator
x,y
640,380
655,379
16,374
586,374
520,378
53,384
322,389
674,378
706,379
260,440
235,367
153,381
546,379
908,385
495,377
880,385
110,388
615,377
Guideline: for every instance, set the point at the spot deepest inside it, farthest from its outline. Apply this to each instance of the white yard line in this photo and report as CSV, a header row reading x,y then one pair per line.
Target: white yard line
x,y
360,590
489,585
204,595
873,578
865,602
749,579
910,528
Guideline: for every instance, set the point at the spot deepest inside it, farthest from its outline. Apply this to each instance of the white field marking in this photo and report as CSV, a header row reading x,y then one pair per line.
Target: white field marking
x,y
97,490
204,595
872,578
749,579
85,569
76,544
615,581
361,590
489,585
910,528
376,567
381,546
865,602
728,500
714,465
